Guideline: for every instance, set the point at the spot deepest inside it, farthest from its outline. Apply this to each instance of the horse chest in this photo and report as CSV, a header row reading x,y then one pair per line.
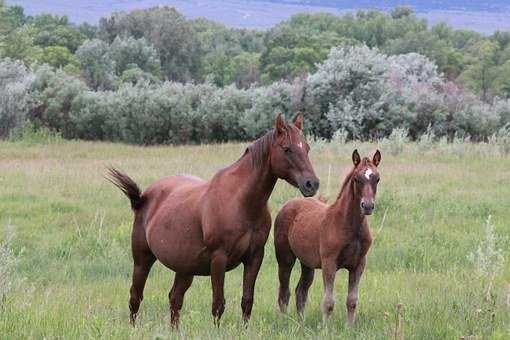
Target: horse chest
x,y
350,254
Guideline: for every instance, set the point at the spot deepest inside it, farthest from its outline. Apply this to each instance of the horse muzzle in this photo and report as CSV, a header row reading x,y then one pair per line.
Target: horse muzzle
x,y
309,186
367,207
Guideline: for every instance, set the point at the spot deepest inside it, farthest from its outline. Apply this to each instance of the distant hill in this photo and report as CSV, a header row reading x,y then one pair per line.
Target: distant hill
x,y
481,16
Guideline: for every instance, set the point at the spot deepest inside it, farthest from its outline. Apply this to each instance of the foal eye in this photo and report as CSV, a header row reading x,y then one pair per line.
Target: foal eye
x,y
287,149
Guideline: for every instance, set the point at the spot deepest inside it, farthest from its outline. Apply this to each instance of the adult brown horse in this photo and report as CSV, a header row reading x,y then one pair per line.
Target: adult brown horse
x,y
197,227
328,237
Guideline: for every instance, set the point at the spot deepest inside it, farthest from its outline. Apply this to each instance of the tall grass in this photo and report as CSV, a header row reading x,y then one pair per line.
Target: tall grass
x,y
72,246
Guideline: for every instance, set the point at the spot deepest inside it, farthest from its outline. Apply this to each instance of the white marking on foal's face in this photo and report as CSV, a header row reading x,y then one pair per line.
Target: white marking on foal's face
x,y
368,172
300,145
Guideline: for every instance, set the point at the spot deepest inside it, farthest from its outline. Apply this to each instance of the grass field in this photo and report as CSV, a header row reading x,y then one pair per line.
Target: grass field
x,y
66,249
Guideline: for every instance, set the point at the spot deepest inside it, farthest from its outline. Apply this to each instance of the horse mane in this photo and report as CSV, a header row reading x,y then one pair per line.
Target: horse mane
x,y
259,150
349,176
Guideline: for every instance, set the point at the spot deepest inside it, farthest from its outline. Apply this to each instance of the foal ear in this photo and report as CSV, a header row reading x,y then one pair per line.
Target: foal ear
x,y
356,159
377,158
298,121
280,125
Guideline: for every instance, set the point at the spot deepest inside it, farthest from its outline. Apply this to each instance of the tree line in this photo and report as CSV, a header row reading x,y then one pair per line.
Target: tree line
x,y
151,76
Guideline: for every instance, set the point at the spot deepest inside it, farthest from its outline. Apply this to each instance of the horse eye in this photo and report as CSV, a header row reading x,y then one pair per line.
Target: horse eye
x,y
287,149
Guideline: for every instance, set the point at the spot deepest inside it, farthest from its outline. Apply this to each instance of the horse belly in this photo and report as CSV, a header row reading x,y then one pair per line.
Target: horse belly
x,y
305,245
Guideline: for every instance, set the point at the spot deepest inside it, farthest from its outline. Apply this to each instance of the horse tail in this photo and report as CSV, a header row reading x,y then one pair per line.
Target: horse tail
x,y
127,186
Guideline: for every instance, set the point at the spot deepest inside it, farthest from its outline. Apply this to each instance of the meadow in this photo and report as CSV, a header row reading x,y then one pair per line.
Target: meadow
x,y
435,271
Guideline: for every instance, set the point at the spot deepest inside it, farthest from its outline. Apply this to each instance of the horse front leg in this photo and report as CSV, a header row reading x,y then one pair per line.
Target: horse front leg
x,y
352,295
251,270
329,268
218,267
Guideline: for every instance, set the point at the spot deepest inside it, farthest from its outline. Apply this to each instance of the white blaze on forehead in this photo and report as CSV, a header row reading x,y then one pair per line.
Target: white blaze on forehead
x,y
300,145
368,172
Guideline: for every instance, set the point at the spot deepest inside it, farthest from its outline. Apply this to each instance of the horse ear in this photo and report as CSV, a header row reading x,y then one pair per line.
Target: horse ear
x,y
356,159
377,158
298,121
280,125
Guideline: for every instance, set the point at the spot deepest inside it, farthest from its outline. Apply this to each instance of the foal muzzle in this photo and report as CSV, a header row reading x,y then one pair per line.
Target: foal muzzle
x,y
367,207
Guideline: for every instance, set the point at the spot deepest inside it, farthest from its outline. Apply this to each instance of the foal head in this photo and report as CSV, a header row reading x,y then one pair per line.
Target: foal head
x,y
289,156
366,178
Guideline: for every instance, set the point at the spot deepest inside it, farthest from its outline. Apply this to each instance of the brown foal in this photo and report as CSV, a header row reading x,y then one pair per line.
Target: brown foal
x,y
197,227
328,237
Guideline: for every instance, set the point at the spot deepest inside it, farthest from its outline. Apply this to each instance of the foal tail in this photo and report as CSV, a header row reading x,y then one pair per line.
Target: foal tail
x,y
127,186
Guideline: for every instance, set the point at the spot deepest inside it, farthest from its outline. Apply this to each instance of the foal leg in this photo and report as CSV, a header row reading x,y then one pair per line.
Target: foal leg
x,y
302,287
218,266
143,260
251,270
329,268
352,296
181,284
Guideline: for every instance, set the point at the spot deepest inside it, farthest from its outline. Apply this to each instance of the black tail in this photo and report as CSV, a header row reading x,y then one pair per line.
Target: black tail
x,y
127,186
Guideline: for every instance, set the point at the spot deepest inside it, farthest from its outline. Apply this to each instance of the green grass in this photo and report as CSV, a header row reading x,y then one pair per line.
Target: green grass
x,y
70,231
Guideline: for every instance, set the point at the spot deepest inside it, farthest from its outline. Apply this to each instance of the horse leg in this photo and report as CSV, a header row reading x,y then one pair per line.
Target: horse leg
x,y
286,260
143,260
352,295
181,284
218,267
329,268
251,270
302,287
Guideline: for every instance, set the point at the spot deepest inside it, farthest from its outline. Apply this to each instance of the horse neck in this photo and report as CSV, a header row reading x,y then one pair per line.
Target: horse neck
x,y
255,182
347,209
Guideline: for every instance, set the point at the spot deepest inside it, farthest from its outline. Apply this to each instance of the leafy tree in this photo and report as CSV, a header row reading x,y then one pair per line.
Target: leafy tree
x,y
50,30
129,51
481,72
57,56
166,29
243,70
19,44
98,68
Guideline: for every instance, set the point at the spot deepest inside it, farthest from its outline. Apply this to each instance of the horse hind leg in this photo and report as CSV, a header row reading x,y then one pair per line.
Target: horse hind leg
x,y
302,288
181,284
143,260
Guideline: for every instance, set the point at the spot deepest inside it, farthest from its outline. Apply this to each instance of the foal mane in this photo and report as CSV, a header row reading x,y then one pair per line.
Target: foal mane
x,y
259,150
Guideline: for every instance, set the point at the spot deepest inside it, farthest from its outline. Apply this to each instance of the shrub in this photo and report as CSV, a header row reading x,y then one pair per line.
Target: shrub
x,y
32,134
488,259
426,140
348,90
15,101
54,92
502,139
395,142
8,263
266,103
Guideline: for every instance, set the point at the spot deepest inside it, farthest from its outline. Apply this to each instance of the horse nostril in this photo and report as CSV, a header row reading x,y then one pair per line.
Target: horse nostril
x,y
363,205
316,184
308,184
